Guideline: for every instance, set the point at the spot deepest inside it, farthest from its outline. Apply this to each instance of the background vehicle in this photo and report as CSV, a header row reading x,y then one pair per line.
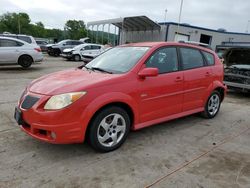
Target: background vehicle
x,y
237,71
77,53
43,44
27,38
128,87
14,51
57,49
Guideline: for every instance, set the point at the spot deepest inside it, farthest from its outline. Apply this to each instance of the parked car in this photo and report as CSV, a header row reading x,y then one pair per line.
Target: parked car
x,y
79,51
15,51
43,44
57,49
237,71
128,87
27,38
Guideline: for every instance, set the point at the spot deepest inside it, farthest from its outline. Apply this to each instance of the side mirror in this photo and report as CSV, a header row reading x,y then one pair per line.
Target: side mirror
x,y
64,44
148,72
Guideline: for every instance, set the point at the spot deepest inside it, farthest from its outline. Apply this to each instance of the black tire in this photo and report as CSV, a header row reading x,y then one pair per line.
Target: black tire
x,y
25,61
77,58
207,113
56,52
95,129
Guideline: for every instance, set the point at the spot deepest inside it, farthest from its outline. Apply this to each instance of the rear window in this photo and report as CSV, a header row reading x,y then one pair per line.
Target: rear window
x,y
93,47
209,58
25,38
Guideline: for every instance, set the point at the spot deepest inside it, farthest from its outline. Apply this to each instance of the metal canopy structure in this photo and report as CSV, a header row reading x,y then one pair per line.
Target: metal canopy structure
x,y
137,23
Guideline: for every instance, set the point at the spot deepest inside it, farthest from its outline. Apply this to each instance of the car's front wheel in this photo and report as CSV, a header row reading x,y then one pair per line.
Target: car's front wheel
x,y
109,129
213,105
77,58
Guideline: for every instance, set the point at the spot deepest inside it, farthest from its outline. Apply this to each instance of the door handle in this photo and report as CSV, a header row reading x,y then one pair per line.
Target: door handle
x,y
178,79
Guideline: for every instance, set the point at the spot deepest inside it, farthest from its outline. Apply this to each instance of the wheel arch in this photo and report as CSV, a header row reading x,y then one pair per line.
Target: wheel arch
x,y
123,102
22,55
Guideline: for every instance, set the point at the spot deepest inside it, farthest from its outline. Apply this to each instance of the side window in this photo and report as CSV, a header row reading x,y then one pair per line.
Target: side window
x,y
69,43
191,58
9,43
95,47
25,38
87,47
209,58
164,59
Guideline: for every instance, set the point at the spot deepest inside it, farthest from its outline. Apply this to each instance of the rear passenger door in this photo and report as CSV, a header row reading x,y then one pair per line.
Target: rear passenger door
x,y
197,78
9,50
162,95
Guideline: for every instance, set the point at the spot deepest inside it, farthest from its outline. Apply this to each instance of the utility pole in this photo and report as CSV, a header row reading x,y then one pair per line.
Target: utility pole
x,y
165,17
179,19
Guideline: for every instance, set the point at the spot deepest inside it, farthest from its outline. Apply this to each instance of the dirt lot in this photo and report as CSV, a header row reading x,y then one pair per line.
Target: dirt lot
x,y
188,152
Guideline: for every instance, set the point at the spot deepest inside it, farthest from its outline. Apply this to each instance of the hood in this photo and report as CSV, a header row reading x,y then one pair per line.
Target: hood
x,y
68,50
49,45
72,80
241,67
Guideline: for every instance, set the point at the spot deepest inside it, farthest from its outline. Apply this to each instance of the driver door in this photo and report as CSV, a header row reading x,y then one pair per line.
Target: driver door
x,y
162,96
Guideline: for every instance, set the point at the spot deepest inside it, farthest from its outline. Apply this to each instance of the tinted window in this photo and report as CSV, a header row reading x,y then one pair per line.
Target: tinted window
x,y
25,38
164,59
76,43
87,47
69,43
191,58
9,43
95,47
209,58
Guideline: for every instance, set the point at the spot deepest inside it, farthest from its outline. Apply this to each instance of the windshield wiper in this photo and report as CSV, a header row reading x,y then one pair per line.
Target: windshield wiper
x,y
100,69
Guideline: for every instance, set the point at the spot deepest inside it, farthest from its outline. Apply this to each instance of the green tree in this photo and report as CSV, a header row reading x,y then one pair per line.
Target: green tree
x,y
75,29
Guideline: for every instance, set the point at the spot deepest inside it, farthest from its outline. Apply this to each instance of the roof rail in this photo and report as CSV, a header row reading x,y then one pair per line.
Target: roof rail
x,y
196,43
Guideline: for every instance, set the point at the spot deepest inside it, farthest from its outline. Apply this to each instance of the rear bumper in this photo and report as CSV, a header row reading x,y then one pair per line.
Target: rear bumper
x,y
38,57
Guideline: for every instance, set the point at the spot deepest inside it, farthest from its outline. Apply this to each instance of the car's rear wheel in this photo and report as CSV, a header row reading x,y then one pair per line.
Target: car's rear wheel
x,y
109,129
77,58
25,61
212,106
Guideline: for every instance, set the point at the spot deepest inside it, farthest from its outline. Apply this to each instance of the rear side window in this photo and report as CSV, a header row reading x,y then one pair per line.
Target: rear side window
x,y
87,47
191,58
93,47
9,43
209,58
25,38
164,59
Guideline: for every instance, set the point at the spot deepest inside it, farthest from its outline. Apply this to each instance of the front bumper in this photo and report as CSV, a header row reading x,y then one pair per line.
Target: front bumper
x,y
59,127
67,56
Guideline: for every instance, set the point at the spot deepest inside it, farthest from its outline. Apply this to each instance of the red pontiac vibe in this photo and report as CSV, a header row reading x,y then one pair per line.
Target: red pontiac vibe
x,y
128,87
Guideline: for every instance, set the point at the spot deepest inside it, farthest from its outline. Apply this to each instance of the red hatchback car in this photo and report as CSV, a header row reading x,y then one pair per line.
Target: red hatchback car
x,y
128,87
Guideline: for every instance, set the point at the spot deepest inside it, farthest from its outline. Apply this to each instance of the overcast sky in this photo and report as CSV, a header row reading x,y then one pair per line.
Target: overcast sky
x,y
229,14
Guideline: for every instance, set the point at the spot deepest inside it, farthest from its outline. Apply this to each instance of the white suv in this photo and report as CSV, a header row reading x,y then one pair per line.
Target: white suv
x,y
77,53
14,51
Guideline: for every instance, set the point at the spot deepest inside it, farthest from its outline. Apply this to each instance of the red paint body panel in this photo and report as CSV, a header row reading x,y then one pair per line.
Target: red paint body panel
x,y
152,99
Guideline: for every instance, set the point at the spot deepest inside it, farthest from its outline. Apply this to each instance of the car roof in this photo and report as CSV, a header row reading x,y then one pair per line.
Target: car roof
x,y
159,44
15,39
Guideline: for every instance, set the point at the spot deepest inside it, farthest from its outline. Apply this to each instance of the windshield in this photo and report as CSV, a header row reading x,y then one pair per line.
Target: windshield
x,y
61,42
118,60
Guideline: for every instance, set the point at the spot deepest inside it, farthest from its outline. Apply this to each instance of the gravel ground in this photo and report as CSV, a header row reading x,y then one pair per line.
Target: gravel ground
x,y
187,152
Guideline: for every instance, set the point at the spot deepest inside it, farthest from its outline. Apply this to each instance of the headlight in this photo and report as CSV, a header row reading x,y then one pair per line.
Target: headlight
x,y
57,102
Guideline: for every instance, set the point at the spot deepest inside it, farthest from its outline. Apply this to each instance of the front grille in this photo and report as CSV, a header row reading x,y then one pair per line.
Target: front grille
x,y
29,101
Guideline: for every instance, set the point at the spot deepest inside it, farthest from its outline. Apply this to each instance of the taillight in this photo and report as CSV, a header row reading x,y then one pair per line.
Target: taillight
x,y
38,49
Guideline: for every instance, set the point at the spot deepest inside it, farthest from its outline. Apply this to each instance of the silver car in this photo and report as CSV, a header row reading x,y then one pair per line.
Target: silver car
x,y
15,51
